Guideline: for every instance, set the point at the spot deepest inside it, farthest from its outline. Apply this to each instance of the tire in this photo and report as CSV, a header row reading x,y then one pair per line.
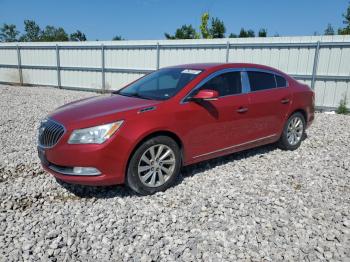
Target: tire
x,y
147,174
290,130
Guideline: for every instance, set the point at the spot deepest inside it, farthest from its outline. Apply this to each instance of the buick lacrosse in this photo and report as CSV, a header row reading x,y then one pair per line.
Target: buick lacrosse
x,y
144,133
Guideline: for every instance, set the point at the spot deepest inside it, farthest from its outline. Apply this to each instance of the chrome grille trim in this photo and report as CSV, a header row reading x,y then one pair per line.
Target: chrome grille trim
x,y
50,132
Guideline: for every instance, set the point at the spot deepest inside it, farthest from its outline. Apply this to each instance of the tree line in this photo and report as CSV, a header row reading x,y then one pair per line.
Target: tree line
x,y
210,28
341,31
33,33
215,29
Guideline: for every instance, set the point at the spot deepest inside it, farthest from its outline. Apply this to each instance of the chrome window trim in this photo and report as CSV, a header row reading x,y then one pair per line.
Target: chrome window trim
x,y
252,69
244,81
208,78
287,83
64,132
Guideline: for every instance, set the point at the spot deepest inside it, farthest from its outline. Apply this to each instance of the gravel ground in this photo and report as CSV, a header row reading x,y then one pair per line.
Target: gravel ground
x,y
262,204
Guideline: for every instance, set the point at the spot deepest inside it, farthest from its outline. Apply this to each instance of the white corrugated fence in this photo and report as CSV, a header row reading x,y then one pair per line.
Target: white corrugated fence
x,y
323,62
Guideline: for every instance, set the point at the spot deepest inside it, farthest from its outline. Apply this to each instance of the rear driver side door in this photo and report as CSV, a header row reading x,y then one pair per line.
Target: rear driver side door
x,y
270,99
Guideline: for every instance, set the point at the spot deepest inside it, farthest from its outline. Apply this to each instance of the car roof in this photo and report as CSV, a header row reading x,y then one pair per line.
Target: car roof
x,y
217,66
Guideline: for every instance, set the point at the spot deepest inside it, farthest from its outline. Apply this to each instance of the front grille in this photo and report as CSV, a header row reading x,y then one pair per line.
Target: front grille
x,y
49,133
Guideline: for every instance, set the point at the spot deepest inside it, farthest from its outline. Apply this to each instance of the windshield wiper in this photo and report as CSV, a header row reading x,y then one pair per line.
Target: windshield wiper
x,y
135,94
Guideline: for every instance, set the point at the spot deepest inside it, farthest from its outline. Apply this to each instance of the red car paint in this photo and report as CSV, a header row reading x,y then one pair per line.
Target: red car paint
x,y
214,128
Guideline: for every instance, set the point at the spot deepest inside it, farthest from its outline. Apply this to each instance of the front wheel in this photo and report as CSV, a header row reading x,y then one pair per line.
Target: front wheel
x,y
293,132
154,166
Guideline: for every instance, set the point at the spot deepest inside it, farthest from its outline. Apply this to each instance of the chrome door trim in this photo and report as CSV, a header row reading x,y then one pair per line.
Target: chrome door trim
x,y
238,145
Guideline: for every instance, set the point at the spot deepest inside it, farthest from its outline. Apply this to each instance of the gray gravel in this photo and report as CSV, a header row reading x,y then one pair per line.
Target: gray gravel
x,y
262,204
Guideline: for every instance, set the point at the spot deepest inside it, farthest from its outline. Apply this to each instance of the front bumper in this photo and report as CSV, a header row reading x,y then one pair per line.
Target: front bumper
x,y
105,158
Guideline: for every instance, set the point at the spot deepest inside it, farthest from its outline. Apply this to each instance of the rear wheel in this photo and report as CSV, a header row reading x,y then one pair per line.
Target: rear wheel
x,y
154,166
293,132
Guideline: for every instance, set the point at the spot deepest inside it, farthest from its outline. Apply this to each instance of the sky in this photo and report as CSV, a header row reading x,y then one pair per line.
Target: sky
x,y
149,19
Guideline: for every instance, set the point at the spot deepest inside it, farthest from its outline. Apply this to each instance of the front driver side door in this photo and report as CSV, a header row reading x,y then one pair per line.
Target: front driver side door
x,y
213,127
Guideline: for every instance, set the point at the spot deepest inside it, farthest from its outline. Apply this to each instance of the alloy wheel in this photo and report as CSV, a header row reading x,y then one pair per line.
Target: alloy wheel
x,y
156,165
295,130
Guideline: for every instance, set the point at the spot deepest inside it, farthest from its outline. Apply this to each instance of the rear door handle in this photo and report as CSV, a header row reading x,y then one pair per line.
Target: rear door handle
x,y
242,110
285,101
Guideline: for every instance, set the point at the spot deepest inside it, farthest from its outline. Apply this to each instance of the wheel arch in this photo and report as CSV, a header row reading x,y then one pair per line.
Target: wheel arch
x,y
170,134
301,111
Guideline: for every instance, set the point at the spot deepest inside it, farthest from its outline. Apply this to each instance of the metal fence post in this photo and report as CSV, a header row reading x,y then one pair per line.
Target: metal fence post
x,y
158,55
103,67
314,69
19,62
58,66
227,51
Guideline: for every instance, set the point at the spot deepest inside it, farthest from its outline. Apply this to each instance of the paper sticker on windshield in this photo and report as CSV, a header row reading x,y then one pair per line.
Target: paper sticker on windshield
x,y
191,71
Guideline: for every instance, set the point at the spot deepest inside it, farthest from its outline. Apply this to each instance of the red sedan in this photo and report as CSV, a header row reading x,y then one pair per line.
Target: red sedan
x,y
144,133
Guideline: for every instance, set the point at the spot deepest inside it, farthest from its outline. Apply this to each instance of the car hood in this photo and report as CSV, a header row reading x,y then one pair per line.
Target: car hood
x,y
98,110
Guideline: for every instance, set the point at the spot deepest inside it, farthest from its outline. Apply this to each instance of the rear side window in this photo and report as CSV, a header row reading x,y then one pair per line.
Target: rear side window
x,y
225,84
281,81
261,81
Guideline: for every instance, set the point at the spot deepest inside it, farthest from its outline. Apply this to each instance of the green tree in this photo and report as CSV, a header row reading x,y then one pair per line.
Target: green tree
x,y
51,34
347,16
118,38
217,29
329,30
251,33
185,32
262,32
77,36
344,31
8,33
243,33
232,35
32,32
204,26
346,21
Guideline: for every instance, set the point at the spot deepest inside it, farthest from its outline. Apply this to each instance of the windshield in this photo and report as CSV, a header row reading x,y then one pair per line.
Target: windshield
x,y
160,85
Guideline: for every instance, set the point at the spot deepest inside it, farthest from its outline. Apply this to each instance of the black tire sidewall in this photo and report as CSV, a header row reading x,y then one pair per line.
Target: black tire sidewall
x,y
133,180
284,143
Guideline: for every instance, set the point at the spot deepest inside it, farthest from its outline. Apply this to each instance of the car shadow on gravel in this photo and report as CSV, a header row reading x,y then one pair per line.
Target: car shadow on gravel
x,y
83,191
188,171
200,167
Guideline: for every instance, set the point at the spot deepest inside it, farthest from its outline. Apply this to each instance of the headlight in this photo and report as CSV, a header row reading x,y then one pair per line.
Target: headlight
x,y
94,135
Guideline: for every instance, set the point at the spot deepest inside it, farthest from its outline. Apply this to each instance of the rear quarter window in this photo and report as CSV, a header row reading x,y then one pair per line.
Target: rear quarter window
x,y
261,81
281,81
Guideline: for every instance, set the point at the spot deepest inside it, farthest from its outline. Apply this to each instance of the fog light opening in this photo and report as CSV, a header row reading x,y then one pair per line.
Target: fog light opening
x,y
75,171
86,171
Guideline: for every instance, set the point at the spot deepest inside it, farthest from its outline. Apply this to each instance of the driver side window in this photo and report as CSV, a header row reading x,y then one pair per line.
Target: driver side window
x,y
225,84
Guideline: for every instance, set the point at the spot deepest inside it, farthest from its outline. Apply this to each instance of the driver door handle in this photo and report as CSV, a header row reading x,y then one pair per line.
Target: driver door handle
x,y
242,110
285,101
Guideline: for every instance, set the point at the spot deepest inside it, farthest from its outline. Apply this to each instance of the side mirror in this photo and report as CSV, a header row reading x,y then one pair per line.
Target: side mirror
x,y
206,95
